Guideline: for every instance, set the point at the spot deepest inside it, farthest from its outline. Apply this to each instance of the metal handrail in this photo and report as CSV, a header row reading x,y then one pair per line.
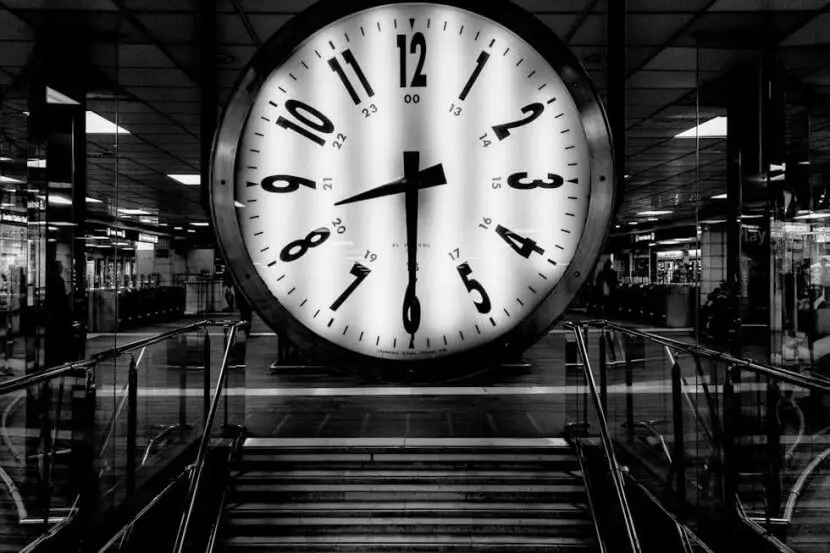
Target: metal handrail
x,y
23,382
197,468
580,455
783,375
607,444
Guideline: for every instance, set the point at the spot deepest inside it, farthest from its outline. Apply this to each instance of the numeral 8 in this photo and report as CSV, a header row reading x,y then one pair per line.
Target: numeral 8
x,y
314,239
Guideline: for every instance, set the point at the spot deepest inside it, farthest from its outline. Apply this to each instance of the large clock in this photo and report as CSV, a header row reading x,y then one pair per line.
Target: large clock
x,y
412,187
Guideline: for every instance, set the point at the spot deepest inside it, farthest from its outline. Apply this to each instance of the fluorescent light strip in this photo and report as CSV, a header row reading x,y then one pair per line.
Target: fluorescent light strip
x,y
95,124
188,179
713,128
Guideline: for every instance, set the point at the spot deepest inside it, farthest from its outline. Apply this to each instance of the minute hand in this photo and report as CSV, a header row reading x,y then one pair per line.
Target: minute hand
x,y
429,177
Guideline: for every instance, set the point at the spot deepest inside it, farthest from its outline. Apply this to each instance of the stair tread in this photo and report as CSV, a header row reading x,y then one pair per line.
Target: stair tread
x,y
284,474
398,457
410,539
407,521
403,505
415,487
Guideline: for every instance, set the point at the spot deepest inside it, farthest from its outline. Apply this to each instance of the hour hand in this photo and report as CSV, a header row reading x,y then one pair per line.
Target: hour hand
x,y
429,177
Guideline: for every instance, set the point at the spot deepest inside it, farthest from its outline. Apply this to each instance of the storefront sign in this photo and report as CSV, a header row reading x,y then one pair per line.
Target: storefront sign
x,y
115,233
13,218
648,237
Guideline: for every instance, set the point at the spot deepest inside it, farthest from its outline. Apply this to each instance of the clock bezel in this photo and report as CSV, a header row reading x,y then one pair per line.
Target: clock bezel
x,y
277,50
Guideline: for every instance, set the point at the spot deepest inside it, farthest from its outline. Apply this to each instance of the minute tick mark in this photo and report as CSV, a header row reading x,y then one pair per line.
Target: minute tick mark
x,y
552,262
477,35
332,45
282,90
292,76
505,52
552,100
304,64
531,74
282,277
492,321
558,116
543,276
543,86
272,103
318,54
492,42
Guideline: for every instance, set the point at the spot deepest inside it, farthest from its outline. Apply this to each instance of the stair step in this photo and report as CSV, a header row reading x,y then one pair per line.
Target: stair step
x,y
411,542
394,476
411,508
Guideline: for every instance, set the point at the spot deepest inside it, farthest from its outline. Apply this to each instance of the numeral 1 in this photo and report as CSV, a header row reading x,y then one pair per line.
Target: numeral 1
x,y
350,60
473,285
521,245
316,122
480,63
360,273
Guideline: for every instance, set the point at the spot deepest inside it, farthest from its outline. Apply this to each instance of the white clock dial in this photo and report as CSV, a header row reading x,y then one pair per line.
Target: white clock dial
x,y
413,181
501,204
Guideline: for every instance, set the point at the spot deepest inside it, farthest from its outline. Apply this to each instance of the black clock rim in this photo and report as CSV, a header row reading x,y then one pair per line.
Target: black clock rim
x,y
277,50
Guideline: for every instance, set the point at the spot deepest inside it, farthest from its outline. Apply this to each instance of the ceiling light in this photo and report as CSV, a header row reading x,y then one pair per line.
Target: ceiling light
x,y
95,124
190,230
189,179
652,219
36,163
616,226
5,159
63,224
626,176
59,200
8,180
633,223
813,216
751,216
713,128
713,221
199,224
719,197
93,200
129,211
177,228
653,213
55,97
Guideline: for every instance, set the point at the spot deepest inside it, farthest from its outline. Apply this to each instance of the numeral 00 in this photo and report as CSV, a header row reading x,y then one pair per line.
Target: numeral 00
x,y
412,99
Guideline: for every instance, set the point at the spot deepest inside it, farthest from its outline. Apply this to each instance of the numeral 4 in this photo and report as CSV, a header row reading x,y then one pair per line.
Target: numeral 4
x,y
521,245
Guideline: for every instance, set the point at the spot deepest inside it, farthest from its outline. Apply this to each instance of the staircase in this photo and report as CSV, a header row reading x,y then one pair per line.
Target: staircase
x,y
414,494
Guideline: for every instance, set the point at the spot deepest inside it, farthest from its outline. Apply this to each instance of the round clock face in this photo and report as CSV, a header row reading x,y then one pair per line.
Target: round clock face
x,y
411,182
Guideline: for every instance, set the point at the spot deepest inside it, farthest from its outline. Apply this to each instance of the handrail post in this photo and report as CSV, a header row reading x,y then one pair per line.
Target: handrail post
x,y
679,454
603,371
730,469
206,373
773,424
183,383
629,389
132,423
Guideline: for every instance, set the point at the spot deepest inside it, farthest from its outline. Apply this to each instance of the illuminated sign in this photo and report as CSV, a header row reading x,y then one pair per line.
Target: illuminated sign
x,y
116,233
648,237
150,238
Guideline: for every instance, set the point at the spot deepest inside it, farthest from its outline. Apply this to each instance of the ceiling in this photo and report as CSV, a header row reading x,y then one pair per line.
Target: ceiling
x,y
147,55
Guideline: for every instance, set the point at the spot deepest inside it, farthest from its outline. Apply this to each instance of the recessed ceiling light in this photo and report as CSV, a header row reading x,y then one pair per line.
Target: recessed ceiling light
x,y
190,230
713,128
59,200
751,216
130,211
653,213
719,197
177,228
55,97
36,163
9,180
95,124
199,224
93,200
813,216
191,179
64,224
5,159
633,223
713,221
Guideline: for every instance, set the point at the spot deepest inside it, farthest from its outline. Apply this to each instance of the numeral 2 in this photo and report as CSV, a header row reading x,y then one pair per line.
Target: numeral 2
x,y
350,60
309,117
418,43
533,111
360,273
473,285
